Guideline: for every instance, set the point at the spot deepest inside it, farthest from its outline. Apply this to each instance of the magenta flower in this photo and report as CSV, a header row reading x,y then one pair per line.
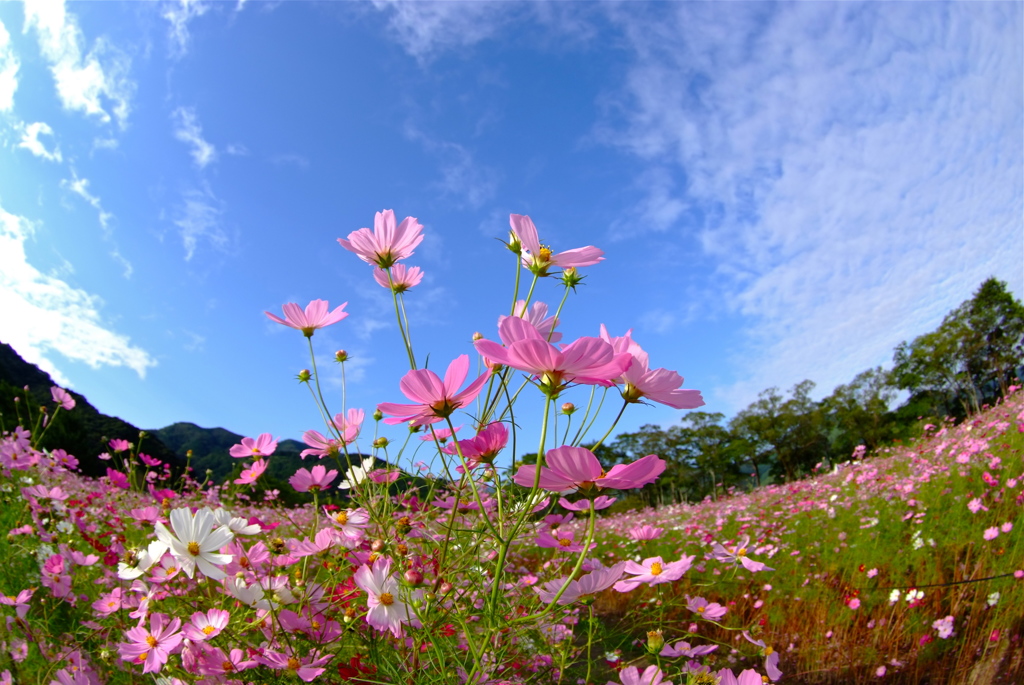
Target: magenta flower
x,y
152,647
263,446
651,675
683,648
63,398
316,315
645,532
306,666
483,448
386,609
206,625
119,445
538,258
435,399
991,533
712,611
20,603
561,539
386,243
537,314
747,677
401,279
640,381
319,445
653,571
588,361
319,478
738,552
600,502
576,468
251,474
592,583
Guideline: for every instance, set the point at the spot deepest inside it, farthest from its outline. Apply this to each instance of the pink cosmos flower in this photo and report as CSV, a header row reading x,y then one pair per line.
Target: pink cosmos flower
x,y
738,552
203,626
572,468
944,626
587,361
651,675
645,532
654,571
600,502
538,258
660,385
349,424
386,243
319,478
435,399
263,446
119,445
319,445
216,663
991,533
351,523
152,647
747,677
316,315
62,398
402,278
20,603
683,648
536,314
118,479
712,611
560,539
252,474
306,666
386,609
592,583
483,448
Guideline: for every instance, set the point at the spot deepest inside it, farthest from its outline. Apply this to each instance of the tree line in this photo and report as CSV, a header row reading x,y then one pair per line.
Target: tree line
x,y
966,363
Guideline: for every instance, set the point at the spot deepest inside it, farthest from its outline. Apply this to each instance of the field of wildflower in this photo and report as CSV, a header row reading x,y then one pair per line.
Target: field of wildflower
x,y
899,567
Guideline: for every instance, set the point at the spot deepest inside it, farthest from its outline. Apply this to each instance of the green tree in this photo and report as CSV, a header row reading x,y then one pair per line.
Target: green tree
x,y
858,413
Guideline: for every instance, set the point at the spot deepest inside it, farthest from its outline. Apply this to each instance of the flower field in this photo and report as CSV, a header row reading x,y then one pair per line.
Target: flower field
x,y
899,567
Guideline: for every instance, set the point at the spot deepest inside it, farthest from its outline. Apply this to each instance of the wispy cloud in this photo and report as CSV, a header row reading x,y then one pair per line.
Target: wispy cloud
x,y
461,176
80,187
9,66
30,141
83,83
291,159
44,314
198,219
188,131
178,14
856,168
425,28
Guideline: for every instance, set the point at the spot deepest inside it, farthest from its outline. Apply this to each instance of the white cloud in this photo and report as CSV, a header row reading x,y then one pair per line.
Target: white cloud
x,y
858,167
461,176
9,66
44,314
83,83
237,149
178,14
188,131
424,28
30,141
198,218
80,187
292,159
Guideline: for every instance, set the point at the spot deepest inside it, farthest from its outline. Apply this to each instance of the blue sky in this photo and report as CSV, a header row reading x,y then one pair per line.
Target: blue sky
x,y
782,191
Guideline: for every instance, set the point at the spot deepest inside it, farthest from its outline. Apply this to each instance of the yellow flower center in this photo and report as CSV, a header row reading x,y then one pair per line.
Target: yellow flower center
x,y
655,569
209,629
293,664
700,610
193,548
342,517
151,641
565,542
227,667
741,552
545,255
387,599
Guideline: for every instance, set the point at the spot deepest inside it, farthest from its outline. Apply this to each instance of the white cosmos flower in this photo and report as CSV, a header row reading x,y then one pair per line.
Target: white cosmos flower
x,y
142,560
357,474
238,525
194,543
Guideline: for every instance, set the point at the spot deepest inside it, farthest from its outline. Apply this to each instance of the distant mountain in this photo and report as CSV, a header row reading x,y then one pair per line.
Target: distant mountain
x,y
83,431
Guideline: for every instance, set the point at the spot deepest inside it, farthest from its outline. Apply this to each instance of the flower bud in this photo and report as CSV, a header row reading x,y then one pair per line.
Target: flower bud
x,y
571,277
304,376
380,442
655,641
478,336
341,356
378,415
446,587
403,525
413,577
514,244
568,408
377,545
